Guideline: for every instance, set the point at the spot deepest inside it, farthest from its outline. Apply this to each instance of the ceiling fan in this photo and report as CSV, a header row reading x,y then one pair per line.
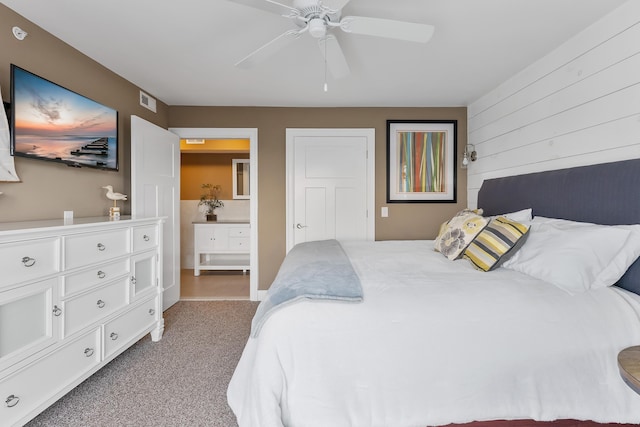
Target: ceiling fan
x,y
319,18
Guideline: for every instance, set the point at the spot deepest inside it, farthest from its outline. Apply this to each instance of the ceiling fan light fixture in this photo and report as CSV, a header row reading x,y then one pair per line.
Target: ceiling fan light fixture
x,y
319,18
317,28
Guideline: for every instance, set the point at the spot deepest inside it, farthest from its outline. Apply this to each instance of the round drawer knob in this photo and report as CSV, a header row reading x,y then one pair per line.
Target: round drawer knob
x,y
101,274
28,261
152,311
57,311
100,303
88,352
12,401
146,238
113,336
101,247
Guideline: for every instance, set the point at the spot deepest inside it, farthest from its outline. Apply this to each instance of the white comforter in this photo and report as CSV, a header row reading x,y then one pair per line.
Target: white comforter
x,y
437,342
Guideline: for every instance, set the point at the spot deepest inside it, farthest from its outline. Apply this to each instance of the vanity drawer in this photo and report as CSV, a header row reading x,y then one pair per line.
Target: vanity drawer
x,y
88,308
239,244
119,332
87,248
100,274
239,231
29,259
28,388
145,237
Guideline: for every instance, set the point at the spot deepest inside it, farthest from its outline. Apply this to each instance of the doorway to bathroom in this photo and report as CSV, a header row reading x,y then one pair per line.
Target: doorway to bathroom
x,y
218,255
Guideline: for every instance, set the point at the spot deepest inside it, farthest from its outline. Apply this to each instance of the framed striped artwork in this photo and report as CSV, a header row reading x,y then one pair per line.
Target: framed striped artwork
x,y
421,164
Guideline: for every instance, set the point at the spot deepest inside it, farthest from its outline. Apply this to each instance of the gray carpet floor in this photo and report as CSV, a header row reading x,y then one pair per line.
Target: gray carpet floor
x,y
179,381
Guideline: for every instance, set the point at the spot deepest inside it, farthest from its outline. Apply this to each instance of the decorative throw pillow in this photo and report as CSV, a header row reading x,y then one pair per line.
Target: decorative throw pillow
x,y
496,243
459,232
443,226
441,231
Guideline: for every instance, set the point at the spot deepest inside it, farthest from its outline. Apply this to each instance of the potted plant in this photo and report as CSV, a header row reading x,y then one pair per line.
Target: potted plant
x,y
209,200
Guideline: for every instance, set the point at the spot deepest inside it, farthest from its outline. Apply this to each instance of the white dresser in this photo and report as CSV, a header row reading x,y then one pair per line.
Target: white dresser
x,y
221,246
72,297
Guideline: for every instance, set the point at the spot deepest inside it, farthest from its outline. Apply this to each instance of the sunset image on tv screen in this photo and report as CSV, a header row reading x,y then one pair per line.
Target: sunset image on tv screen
x,y
54,123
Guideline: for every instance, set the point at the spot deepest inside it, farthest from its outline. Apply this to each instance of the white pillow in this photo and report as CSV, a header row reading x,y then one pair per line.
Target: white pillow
x,y
523,216
623,260
520,216
576,256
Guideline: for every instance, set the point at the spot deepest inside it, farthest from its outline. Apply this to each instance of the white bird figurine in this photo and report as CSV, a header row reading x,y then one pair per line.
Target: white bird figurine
x,y
114,196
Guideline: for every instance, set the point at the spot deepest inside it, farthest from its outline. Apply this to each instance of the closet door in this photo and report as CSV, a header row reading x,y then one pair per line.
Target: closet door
x,y
330,185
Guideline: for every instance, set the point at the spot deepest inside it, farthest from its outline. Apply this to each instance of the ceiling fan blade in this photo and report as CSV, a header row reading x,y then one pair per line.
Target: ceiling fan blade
x,y
336,61
387,28
269,6
268,49
335,4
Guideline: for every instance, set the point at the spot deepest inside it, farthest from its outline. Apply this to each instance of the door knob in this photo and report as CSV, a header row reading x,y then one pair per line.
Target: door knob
x,y
300,226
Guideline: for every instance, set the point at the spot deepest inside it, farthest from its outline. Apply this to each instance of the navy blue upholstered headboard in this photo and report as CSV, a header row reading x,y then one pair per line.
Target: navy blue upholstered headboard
x,y
607,193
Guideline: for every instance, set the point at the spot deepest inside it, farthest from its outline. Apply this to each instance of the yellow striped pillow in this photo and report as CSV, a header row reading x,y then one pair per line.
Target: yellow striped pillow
x,y
500,239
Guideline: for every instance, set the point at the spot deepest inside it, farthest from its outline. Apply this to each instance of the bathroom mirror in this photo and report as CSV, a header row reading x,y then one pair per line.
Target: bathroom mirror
x,y
240,170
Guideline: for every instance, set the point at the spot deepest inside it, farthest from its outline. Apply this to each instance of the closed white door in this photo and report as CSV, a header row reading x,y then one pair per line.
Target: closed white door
x,y
155,191
330,188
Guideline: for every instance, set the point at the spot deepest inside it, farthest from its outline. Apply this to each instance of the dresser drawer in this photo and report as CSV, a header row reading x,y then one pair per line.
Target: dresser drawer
x,y
88,248
85,309
145,237
100,274
28,388
239,231
29,259
239,244
121,331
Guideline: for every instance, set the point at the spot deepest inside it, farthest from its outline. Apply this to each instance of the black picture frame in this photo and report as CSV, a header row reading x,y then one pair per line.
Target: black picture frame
x,y
421,161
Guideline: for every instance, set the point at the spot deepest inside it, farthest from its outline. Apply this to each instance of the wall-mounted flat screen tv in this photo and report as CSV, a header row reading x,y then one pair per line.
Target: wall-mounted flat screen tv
x,y
50,122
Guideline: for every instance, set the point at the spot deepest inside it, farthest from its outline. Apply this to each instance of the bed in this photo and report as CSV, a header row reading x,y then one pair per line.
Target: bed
x,y
434,341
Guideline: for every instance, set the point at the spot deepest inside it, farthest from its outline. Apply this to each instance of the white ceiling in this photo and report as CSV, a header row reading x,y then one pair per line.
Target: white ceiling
x,y
182,52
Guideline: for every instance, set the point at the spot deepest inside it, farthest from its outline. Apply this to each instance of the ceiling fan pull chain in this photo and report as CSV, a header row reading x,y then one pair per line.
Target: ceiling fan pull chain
x,y
326,88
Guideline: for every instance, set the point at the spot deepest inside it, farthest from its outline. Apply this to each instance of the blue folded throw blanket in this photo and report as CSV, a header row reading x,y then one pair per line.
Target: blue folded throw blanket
x,y
313,270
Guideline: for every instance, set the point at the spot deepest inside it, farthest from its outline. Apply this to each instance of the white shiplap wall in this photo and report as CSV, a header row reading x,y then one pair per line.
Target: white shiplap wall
x,y
578,105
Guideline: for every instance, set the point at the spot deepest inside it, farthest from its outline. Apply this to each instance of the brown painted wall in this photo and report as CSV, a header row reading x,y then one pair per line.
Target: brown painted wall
x,y
405,221
206,168
47,189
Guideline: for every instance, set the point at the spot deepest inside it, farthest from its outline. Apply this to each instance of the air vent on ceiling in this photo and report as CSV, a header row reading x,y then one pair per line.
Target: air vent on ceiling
x,y
147,101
